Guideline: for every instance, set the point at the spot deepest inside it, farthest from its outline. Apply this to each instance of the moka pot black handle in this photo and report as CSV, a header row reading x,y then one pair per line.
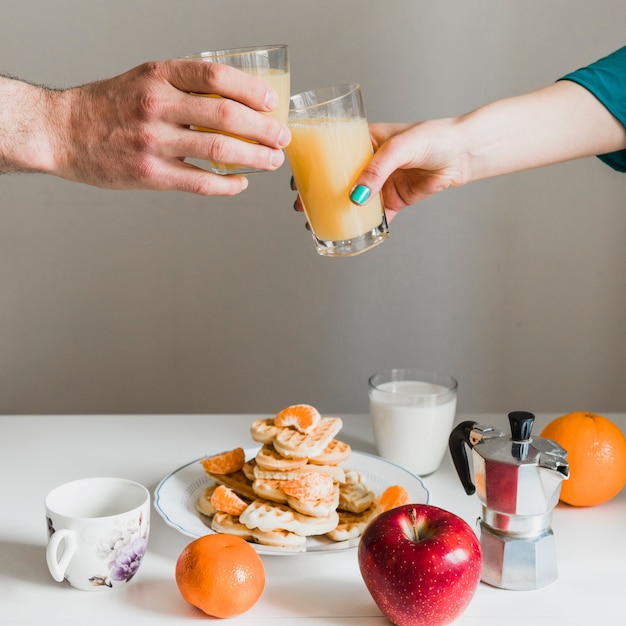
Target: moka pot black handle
x,y
457,443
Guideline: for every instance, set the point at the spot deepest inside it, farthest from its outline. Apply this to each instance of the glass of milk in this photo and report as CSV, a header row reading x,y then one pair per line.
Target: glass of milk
x,y
412,414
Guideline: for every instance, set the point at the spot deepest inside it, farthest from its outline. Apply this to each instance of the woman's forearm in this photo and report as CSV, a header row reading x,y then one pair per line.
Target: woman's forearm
x,y
557,123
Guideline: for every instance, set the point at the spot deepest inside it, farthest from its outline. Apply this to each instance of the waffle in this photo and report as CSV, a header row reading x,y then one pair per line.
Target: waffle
x,y
270,489
269,459
315,508
203,503
352,525
269,516
334,453
264,430
237,481
294,487
334,471
225,523
294,444
355,497
280,539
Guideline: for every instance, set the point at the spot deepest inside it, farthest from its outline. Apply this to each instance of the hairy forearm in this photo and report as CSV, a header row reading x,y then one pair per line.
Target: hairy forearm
x,y
558,123
28,126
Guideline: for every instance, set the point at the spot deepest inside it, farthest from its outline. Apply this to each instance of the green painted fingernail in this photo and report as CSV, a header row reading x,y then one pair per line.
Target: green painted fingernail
x,y
360,194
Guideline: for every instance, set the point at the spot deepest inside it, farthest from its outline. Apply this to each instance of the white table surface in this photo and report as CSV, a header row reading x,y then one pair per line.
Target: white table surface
x,y
39,452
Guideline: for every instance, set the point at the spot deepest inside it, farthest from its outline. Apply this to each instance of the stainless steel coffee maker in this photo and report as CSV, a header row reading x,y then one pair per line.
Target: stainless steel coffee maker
x,y
518,480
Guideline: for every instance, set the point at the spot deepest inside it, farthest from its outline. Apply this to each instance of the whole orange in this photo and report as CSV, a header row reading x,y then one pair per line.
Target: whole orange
x,y
596,453
221,574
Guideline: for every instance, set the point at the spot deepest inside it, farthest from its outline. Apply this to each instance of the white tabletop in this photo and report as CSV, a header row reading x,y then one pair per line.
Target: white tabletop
x,y
39,452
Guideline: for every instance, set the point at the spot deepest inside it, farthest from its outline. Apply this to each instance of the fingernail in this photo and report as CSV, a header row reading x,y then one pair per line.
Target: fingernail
x,y
284,138
271,99
277,158
292,184
360,194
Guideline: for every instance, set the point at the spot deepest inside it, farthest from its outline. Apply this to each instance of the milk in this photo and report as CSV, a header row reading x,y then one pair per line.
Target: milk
x,y
412,421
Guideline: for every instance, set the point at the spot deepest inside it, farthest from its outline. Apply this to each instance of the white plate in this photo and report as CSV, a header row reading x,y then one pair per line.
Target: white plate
x,y
175,497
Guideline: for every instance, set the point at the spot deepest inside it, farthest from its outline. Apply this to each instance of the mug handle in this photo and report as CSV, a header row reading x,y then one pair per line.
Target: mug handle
x,y
57,566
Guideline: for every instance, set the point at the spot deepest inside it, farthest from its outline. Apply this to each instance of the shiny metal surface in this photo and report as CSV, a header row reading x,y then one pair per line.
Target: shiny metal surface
x,y
518,480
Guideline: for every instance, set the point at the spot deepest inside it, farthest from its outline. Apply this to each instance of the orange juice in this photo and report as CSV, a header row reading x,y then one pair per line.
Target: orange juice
x,y
326,157
277,80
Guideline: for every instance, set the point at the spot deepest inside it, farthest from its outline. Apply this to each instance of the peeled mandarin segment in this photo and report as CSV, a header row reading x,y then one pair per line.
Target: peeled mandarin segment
x,y
302,417
227,501
310,486
225,462
392,497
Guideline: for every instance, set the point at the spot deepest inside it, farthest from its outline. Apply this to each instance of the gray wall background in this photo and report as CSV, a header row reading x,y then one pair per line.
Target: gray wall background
x,y
166,302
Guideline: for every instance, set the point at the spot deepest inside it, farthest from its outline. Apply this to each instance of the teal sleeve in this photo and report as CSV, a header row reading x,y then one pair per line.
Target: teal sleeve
x,y
606,80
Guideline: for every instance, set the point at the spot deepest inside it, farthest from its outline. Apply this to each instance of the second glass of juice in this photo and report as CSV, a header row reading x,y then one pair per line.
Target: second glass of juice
x,y
269,63
329,148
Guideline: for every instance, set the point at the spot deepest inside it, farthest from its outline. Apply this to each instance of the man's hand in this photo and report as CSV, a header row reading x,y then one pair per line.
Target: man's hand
x,y
133,131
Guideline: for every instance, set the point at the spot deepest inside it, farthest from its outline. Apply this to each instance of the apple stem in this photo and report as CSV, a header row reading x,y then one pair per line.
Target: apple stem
x,y
413,515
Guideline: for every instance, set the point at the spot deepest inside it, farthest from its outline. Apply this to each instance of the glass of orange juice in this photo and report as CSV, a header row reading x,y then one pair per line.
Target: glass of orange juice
x,y
330,146
271,64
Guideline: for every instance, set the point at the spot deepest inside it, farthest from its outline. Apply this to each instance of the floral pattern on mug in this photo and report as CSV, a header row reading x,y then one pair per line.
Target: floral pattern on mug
x,y
123,549
50,527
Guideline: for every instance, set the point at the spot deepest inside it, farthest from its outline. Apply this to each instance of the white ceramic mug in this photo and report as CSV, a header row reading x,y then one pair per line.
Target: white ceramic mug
x,y
412,414
97,531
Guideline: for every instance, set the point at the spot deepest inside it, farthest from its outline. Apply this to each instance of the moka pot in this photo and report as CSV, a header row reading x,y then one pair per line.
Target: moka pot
x,y
518,481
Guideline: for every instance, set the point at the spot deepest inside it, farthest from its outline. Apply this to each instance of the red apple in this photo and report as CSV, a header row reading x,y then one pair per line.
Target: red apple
x,y
421,564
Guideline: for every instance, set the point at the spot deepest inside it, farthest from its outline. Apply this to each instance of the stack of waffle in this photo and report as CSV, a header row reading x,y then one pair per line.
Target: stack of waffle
x,y
295,487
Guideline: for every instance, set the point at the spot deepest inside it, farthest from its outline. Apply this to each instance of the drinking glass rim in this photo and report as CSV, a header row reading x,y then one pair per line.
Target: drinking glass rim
x,y
347,90
229,52
415,375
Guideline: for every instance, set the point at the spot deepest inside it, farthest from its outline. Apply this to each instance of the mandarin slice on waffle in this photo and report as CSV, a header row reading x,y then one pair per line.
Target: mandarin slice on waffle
x,y
225,462
226,500
316,508
310,486
393,496
303,417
